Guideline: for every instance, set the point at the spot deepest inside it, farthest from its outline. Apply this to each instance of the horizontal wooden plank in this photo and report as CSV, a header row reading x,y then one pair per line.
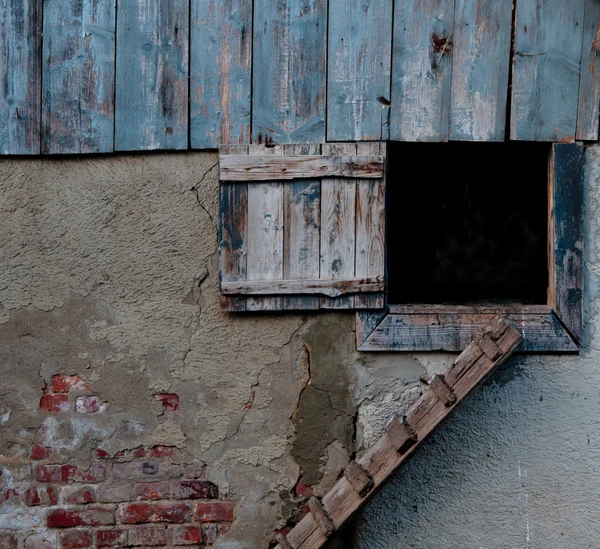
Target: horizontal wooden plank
x,y
452,332
330,288
513,308
277,168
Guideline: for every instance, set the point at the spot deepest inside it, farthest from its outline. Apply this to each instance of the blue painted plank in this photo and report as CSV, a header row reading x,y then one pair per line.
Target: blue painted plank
x,y
78,76
588,113
546,69
421,70
20,76
152,75
220,72
481,50
359,69
289,71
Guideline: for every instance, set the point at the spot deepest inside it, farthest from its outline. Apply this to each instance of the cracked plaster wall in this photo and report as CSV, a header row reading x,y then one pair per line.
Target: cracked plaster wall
x,y
110,273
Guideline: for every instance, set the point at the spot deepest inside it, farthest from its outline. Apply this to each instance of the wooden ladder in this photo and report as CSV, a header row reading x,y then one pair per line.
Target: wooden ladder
x,y
362,477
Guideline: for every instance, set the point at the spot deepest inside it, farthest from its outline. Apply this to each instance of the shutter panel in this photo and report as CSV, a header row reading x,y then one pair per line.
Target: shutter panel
x,y
302,226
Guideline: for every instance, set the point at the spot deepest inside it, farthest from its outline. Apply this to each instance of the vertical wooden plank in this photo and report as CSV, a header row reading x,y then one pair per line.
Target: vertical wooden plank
x,y
546,69
78,76
567,165
233,233
588,113
220,72
481,51
265,234
338,219
301,230
289,60
20,76
370,229
421,70
359,69
152,75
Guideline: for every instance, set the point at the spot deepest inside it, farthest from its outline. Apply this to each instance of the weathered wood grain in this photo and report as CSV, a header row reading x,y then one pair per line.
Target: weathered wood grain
x,y
331,288
359,69
481,50
451,332
78,78
358,478
302,230
320,516
289,59
496,309
265,235
152,75
366,322
338,240
381,460
421,70
588,112
20,74
370,229
233,233
282,168
220,72
566,235
546,69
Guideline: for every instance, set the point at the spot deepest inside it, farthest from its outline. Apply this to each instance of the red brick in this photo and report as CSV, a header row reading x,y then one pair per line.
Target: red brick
x,y
153,490
303,490
8,541
68,518
162,451
54,403
170,401
65,384
139,452
148,535
217,511
48,473
96,473
196,489
100,453
113,537
41,495
89,405
132,513
185,535
39,452
75,539
78,495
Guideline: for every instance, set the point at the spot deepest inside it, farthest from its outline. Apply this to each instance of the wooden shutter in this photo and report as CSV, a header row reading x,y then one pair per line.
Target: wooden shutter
x,y
302,227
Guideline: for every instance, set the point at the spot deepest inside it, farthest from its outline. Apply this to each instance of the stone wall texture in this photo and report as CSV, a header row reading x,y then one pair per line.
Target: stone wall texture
x,y
133,412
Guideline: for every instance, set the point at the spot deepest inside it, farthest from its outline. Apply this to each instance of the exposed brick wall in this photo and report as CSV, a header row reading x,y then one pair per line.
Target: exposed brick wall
x,y
143,496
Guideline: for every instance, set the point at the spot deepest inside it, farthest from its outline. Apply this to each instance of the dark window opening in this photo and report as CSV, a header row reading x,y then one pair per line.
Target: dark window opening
x,y
467,223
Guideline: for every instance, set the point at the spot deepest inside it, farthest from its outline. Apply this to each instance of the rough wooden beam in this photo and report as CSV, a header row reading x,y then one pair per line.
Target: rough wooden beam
x,y
489,347
283,541
380,461
439,386
358,478
401,435
321,518
331,288
274,168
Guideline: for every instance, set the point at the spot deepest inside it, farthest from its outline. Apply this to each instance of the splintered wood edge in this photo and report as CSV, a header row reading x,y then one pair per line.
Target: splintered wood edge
x,y
358,478
382,459
439,386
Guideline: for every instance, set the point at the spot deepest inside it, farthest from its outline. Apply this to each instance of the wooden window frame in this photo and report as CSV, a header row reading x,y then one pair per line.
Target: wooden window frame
x,y
554,327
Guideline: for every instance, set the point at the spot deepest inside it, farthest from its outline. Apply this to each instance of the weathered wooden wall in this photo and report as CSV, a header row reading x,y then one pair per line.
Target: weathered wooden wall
x,y
97,76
